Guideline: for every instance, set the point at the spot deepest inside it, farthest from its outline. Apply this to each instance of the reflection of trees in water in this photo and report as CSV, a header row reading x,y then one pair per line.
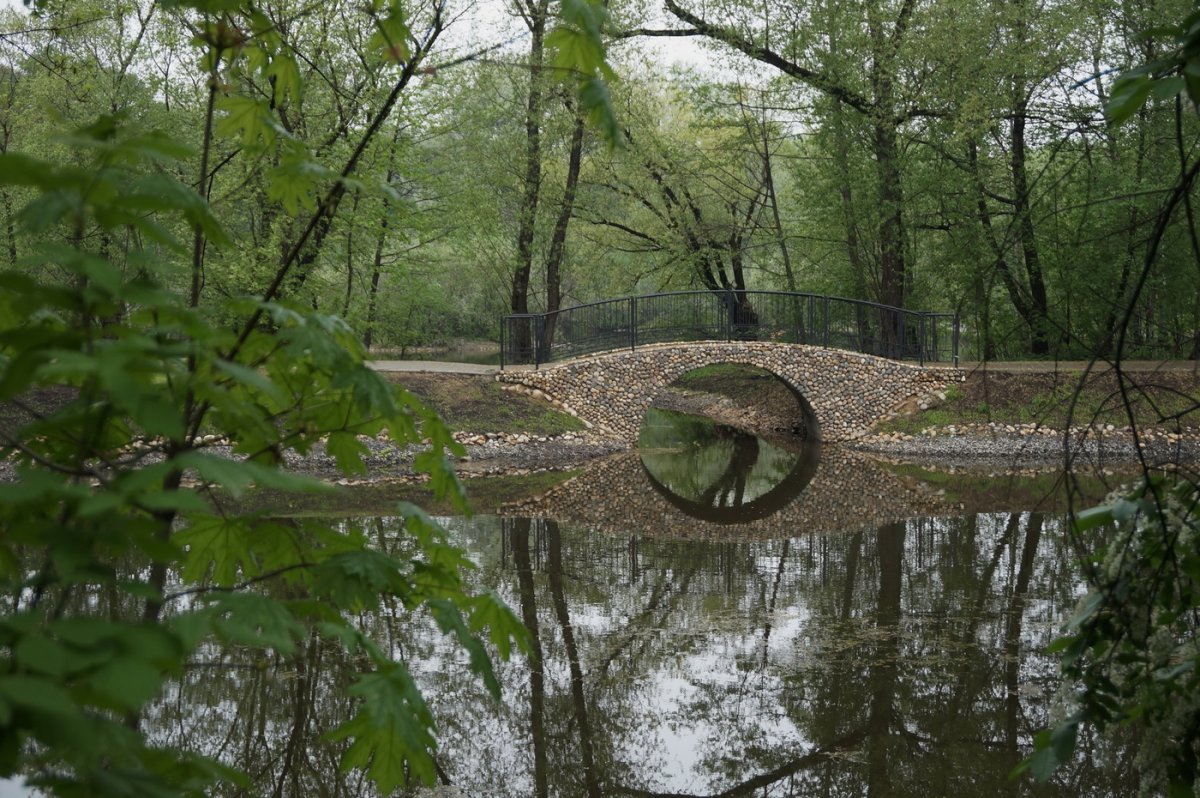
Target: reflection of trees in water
x,y
729,489
266,715
896,662
721,474
712,464
518,535
824,664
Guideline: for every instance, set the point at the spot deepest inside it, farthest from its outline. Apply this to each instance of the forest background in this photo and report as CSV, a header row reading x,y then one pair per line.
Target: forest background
x,y
934,155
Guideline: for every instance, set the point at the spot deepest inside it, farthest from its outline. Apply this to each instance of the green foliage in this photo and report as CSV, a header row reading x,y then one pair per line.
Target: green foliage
x,y
1174,73
391,31
1131,649
578,43
1130,652
114,563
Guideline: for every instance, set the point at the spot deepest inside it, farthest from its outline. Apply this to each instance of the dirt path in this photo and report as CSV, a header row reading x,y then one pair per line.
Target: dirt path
x,y
1077,366
1007,366
430,366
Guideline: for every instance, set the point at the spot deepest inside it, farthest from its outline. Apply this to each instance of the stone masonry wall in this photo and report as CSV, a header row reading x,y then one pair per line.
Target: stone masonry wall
x,y
847,392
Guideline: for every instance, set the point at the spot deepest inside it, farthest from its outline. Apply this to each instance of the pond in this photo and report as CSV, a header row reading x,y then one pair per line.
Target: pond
x,y
682,653
859,633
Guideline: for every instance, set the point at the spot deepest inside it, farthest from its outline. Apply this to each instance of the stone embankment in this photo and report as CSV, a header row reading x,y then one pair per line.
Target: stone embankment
x,y
1027,444
759,412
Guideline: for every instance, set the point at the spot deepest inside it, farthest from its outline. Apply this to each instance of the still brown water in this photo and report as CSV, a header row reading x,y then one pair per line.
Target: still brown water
x,y
766,658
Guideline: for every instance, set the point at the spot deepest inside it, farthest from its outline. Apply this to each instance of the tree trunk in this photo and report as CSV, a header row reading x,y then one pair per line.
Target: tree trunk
x,y
558,240
376,272
10,231
349,259
885,143
527,217
769,183
1039,311
892,277
377,261
841,155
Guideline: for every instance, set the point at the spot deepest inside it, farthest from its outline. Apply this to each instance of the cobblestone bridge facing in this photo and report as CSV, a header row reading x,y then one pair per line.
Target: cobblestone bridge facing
x,y
841,394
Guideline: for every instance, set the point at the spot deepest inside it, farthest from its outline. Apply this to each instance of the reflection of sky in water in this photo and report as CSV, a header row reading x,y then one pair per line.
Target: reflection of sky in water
x,y
707,663
713,704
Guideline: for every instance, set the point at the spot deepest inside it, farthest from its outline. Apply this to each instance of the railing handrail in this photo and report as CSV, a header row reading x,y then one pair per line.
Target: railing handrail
x,y
537,330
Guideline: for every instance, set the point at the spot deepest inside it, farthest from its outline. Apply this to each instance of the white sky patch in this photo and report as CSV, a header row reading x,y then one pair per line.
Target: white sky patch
x,y
15,788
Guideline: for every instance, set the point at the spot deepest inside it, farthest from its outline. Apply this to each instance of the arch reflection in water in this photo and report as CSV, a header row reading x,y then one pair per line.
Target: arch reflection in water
x,y
719,473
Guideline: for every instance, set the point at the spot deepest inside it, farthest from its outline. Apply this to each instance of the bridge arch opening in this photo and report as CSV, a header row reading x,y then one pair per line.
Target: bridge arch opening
x,y
742,395
729,442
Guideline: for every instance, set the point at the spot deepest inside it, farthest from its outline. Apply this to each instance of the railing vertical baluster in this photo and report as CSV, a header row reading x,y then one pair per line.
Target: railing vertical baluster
x,y
728,315
921,342
954,337
632,323
537,341
502,326
812,317
825,323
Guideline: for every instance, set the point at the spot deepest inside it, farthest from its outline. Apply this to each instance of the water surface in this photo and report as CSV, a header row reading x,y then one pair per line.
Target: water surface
x,y
856,635
903,660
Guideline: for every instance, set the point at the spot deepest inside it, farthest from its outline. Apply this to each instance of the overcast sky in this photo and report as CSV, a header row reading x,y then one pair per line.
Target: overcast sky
x,y
488,22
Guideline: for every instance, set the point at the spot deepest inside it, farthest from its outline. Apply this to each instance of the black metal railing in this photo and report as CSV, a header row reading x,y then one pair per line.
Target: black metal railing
x,y
778,316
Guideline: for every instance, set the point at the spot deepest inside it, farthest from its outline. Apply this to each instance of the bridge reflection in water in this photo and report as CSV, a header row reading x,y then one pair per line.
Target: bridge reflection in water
x,y
676,654
695,479
722,474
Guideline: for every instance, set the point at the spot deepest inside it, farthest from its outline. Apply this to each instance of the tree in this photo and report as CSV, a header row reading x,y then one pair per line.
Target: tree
x,y
779,40
1131,650
120,373
687,197
535,14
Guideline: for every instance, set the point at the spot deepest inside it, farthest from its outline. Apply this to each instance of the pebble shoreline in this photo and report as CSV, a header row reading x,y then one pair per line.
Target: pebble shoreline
x,y
993,445
1030,444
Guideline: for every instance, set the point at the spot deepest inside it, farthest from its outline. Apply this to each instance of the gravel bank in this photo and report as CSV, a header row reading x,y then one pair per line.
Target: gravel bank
x,y
487,454
999,446
1020,445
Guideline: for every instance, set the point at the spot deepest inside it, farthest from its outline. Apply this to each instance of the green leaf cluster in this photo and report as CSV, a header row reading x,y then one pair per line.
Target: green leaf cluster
x,y
1175,73
118,557
1130,650
579,53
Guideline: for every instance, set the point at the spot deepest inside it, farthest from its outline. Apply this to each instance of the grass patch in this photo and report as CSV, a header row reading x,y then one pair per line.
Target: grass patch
x,y
914,423
1162,398
734,380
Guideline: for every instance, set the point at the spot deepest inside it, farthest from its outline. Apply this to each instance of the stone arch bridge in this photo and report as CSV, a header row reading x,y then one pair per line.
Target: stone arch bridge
x,y
841,394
